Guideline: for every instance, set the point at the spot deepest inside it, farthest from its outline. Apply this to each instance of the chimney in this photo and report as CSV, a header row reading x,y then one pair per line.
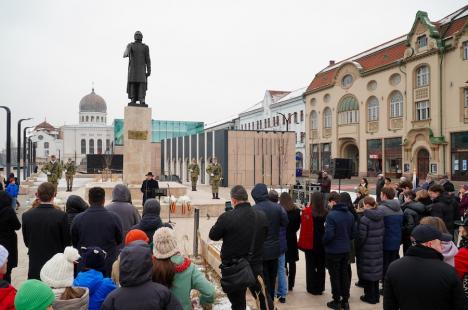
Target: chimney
x,y
331,63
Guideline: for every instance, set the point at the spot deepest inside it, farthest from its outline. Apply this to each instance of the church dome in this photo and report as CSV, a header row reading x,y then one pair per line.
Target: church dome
x,y
93,103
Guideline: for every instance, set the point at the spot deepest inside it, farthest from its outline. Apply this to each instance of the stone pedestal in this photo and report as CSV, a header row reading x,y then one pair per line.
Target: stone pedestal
x,y
137,144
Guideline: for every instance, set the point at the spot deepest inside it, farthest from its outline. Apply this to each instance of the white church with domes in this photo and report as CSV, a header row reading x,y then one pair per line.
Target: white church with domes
x,y
91,135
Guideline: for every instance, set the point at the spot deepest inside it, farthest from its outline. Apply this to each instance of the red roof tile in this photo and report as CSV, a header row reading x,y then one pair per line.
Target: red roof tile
x,y
383,57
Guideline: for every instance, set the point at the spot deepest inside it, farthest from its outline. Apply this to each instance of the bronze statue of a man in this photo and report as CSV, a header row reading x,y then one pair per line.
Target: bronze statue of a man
x,y
139,68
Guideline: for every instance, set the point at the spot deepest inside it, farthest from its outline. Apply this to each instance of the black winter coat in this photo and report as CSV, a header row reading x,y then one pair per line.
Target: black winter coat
x,y
138,291
99,227
294,217
421,280
236,228
74,206
45,233
319,231
442,208
370,245
378,189
151,220
8,224
276,218
412,214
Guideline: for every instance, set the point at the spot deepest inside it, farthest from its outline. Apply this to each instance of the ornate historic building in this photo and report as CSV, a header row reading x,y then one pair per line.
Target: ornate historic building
x,y
91,135
400,106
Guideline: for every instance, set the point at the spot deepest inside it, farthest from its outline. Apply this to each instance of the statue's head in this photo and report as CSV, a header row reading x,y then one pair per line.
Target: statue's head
x,y
138,36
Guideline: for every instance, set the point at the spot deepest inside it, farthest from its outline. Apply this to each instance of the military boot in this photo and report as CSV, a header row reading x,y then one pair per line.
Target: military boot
x,y
214,197
217,197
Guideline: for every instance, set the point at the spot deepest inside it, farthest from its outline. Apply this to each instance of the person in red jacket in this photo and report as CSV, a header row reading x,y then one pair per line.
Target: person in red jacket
x,y
7,292
310,241
461,259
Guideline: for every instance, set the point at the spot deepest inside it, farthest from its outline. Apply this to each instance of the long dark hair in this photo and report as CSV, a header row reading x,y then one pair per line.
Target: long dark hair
x,y
316,202
365,182
286,202
163,271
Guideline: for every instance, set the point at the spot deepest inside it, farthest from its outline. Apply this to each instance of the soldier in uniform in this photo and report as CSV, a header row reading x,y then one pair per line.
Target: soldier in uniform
x,y
149,187
194,173
70,171
216,174
53,170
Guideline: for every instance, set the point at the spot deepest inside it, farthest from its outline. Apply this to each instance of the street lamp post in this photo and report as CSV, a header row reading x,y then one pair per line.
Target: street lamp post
x,y
24,152
8,139
30,146
18,150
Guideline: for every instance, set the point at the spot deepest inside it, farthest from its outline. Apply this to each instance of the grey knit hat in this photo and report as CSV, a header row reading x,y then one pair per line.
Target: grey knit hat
x,y
164,243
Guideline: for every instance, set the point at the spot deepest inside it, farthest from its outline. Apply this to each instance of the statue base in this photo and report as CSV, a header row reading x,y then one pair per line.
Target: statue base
x,y
139,105
137,144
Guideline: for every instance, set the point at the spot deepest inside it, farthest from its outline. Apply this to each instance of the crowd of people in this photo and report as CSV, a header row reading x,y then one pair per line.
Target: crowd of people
x,y
95,256
406,243
403,244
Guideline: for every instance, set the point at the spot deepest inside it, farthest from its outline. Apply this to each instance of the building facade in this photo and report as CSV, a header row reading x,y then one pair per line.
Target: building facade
x,y
279,111
91,135
47,140
247,157
398,107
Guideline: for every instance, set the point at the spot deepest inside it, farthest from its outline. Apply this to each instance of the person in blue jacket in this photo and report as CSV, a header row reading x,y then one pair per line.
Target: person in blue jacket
x,y
393,220
12,189
339,231
93,259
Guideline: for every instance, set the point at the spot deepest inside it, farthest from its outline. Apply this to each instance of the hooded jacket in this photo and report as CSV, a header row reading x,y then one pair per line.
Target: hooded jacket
x,y
449,250
412,214
393,219
80,303
74,206
151,220
122,206
276,218
339,230
138,291
7,296
421,280
370,245
98,286
188,277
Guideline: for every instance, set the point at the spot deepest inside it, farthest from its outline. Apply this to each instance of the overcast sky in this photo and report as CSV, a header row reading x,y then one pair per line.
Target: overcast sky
x,y
210,58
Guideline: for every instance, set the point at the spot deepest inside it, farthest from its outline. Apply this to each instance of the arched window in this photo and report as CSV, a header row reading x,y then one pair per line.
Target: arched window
x,y
46,145
83,146
327,118
92,119
396,104
348,110
87,118
99,146
373,109
313,120
91,146
422,76
107,145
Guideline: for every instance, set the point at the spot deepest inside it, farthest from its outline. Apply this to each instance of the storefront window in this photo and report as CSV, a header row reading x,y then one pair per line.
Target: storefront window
x,y
459,150
374,157
326,156
393,157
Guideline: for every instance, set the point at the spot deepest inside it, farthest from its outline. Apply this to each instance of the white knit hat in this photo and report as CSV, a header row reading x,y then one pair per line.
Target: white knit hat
x,y
3,255
58,271
164,243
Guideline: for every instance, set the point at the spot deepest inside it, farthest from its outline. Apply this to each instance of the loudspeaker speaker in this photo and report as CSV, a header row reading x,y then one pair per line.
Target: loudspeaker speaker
x,y
341,168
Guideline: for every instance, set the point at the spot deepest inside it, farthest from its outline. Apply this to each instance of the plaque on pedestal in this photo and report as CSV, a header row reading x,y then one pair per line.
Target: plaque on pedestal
x,y
137,144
